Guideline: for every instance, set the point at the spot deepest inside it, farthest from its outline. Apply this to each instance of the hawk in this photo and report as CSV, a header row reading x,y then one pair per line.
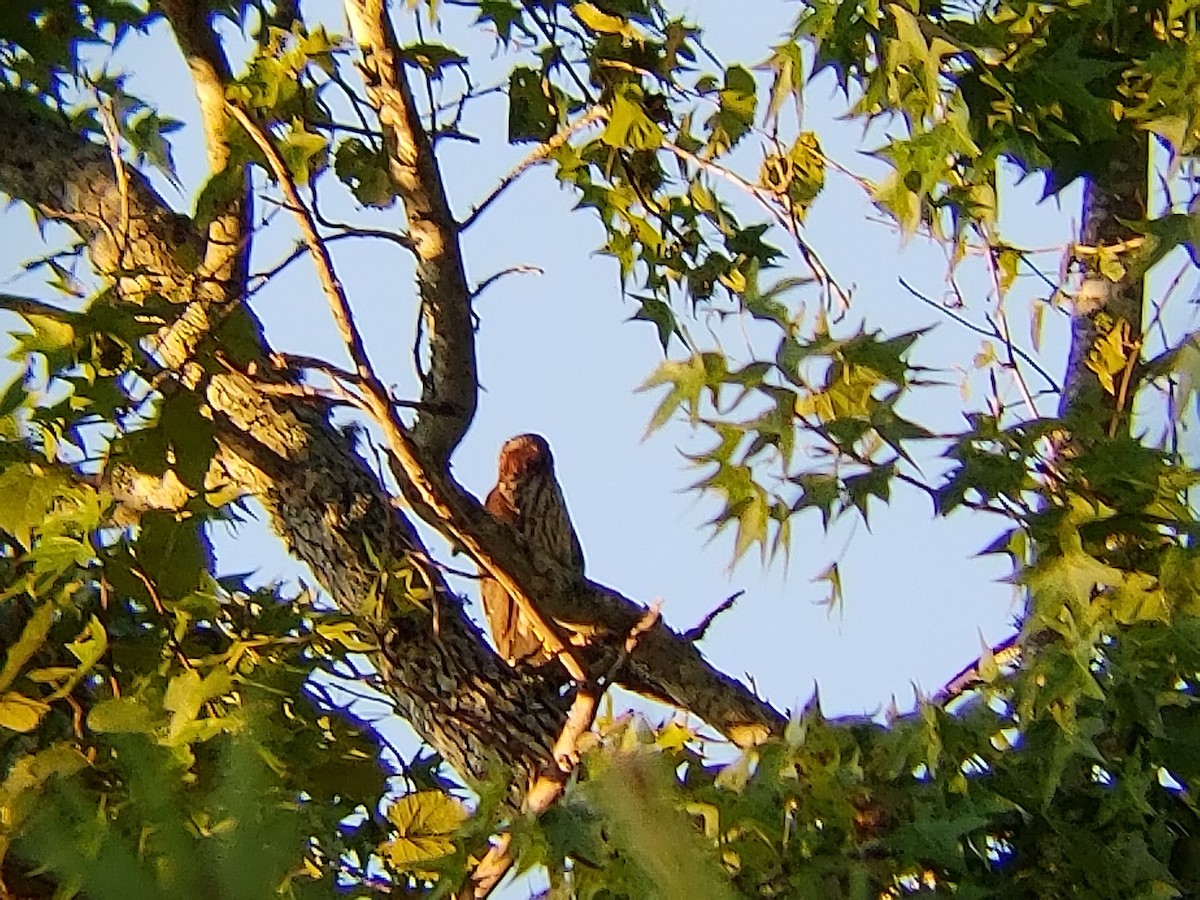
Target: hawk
x,y
529,501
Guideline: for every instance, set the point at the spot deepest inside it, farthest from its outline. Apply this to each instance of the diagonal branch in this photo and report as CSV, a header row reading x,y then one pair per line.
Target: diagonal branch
x,y
377,401
540,154
331,512
549,786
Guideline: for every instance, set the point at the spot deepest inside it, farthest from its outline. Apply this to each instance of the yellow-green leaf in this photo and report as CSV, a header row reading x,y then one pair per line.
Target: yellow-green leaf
x,y
32,637
21,713
121,714
600,21
348,635
425,823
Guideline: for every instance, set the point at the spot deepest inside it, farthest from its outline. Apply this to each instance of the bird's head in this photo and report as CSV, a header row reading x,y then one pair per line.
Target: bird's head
x,y
524,454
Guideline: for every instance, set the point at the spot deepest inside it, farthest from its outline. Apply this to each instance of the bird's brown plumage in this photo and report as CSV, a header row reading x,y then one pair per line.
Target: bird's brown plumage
x,y
528,499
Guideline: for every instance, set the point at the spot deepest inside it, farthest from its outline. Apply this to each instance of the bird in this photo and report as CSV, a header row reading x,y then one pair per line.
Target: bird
x,y
528,500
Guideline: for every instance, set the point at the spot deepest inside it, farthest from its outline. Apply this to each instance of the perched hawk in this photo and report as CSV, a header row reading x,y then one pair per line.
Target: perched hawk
x,y
528,500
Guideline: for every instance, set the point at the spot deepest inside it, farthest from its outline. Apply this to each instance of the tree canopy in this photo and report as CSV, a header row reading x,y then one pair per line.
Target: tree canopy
x,y
167,729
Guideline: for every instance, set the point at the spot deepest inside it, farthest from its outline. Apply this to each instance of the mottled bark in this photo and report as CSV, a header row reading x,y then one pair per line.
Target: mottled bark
x,y
1113,195
324,501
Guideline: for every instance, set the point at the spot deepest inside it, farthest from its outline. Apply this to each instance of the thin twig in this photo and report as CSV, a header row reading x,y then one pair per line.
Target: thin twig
x,y
1002,331
697,634
523,269
978,329
343,229
645,623
336,294
111,133
539,155
767,201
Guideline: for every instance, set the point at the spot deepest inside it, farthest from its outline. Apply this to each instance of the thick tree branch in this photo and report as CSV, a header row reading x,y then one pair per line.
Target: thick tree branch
x,y
324,501
548,787
451,382
329,508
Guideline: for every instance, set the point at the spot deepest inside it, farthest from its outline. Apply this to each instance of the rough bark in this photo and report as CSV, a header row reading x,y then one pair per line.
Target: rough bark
x,y
1113,195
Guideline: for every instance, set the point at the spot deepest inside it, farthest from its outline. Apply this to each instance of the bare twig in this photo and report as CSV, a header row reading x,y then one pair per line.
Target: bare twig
x,y
1003,335
693,635
644,624
523,269
108,121
767,200
334,292
539,155
978,329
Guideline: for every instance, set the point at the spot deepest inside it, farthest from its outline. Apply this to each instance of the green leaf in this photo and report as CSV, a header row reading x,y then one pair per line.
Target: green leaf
x,y
688,379
21,713
738,100
303,151
191,436
27,492
171,552
348,634
425,823
654,310
628,124
49,336
601,22
217,193
503,14
787,62
33,636
1186,366
146,134
122,715
798,174
432,58
532,115
365,171
187,692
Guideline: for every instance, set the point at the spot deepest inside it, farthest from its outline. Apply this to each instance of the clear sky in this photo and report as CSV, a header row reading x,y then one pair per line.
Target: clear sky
x,y
558,356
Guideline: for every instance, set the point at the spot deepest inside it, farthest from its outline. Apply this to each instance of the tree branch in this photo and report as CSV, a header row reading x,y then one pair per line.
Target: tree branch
x,y
328,507
539,155
227,255
451,381
549,786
